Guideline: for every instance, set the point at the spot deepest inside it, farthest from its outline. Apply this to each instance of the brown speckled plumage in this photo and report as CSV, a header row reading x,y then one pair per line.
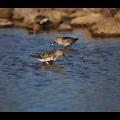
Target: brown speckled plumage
x,y
49,57
65,41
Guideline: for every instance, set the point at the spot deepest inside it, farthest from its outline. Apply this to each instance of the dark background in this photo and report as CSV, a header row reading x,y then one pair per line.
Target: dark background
x,y
61,3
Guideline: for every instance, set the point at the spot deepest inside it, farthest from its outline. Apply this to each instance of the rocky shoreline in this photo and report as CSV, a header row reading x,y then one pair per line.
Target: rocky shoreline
x,y
100,22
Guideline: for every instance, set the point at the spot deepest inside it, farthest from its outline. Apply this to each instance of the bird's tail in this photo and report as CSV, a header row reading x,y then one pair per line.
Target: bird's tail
x,y
34,56
76,39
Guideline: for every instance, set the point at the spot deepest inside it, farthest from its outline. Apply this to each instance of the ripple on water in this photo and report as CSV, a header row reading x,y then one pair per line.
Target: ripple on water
x,y
87,83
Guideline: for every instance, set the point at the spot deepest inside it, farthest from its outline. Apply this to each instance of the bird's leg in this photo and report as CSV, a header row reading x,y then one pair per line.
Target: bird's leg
x,y
44,63
66,58
49,62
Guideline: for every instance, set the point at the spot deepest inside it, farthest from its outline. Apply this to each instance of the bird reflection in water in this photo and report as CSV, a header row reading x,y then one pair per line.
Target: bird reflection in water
x,y
69,50
53,68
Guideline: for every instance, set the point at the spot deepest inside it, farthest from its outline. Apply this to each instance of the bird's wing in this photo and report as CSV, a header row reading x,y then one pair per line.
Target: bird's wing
x,y
46,55
70,38
67,38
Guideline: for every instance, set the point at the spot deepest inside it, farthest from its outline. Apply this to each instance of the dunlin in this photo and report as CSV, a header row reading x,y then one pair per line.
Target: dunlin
x,y
49,57
65,41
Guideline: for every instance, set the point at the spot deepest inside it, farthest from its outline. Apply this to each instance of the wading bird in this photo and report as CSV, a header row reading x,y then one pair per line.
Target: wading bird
x,y
50,57
65,41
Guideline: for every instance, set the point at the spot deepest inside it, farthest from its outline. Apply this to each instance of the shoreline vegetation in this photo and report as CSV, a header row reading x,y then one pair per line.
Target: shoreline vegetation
x,y
100,22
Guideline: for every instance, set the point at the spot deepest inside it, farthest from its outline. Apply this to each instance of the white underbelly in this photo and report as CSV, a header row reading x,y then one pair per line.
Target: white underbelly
x,y
64,44
45,60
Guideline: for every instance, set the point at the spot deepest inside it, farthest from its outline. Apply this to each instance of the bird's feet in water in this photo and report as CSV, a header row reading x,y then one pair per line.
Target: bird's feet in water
x,y
48,63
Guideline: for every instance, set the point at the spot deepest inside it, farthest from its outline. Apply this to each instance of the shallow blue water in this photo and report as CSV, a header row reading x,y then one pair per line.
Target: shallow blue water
x,y
90,82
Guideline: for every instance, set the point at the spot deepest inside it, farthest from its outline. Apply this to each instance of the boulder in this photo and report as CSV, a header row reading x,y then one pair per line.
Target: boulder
x,y
106,28
55,16
26,15
117,16
85,12
78,14
36,28
6,13
65,27
87,20
5,23
22,25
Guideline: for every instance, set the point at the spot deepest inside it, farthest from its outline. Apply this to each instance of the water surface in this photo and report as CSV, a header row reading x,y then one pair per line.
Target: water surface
x,y
90,82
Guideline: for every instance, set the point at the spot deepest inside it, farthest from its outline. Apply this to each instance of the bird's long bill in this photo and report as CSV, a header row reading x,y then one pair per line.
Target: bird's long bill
x,y
66,58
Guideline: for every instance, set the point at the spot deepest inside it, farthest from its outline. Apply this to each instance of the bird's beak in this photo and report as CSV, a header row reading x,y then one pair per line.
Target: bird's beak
x,y
53,43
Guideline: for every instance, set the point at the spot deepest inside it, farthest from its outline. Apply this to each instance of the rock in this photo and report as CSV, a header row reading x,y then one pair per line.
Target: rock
x,y
5,23
19,14
109,12
30,19
41,19
22,25
44,22
95,10
54,16
78,14
87,21
36,28
85,12
106,28
69,11
101,21
117,16
6,13
26,15
65,27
